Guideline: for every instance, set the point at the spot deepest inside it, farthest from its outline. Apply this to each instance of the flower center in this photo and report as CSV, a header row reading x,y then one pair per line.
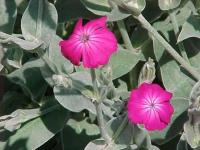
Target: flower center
x,y
84,38
152,105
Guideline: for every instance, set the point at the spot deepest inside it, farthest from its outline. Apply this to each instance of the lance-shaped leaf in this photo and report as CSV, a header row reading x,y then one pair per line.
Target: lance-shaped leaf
x,y
14,121
13,57
34,133
39,21
7,39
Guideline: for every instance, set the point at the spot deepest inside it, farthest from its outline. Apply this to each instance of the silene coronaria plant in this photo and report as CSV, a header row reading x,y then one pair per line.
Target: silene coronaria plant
x,y
99,75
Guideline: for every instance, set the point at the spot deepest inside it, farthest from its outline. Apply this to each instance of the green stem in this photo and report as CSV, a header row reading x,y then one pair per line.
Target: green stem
x,y
62,140
98,106
128,45
122,29
131,78
176,31
101,123
62,131
125,36
48,110
168,47
94,82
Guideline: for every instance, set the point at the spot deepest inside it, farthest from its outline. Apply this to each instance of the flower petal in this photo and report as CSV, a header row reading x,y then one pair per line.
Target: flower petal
x,y
101,44
153,121
101,58
165,112
165,96
137,96
78,29
136,112
89,59
105,39
72,50
143,92
95,24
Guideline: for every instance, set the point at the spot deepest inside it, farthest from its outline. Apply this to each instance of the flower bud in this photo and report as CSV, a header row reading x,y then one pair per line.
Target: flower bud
x,y
111,93
147,73
195,95
168,4
61,80
134,7
105,75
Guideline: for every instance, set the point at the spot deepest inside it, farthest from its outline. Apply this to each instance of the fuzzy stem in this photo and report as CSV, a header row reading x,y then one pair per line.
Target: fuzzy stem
x,y
98,105
94,82
168,47
176,31
128,44
122,29
125,36
101,123
62,140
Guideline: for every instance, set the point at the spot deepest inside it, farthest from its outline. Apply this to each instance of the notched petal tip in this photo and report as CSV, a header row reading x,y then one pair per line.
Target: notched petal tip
x,y
103,19
99,22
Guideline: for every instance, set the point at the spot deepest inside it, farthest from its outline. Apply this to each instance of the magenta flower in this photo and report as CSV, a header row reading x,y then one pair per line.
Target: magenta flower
x,y
150,105
93,44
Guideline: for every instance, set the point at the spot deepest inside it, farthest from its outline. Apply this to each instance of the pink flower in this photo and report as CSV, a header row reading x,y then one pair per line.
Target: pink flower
x,y
93,44
150,105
